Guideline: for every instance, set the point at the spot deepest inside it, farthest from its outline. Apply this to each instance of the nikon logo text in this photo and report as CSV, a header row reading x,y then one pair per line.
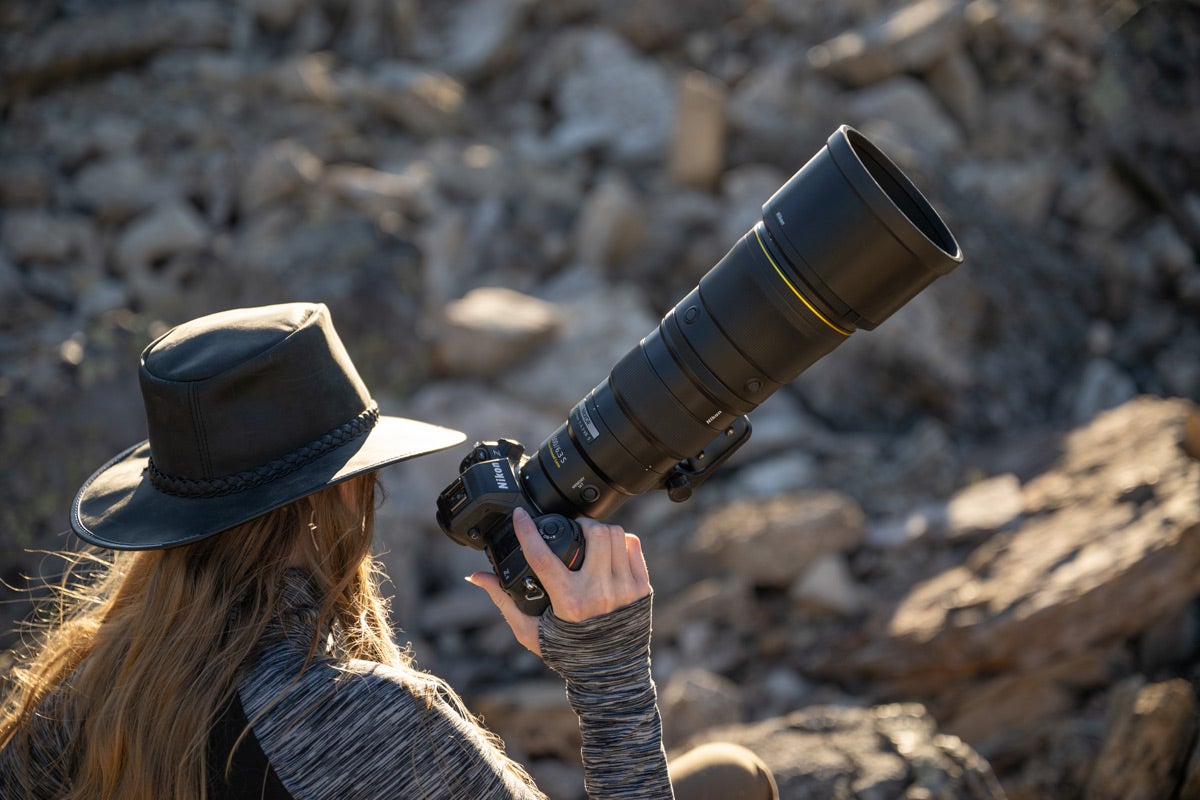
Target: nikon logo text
x,y
501,481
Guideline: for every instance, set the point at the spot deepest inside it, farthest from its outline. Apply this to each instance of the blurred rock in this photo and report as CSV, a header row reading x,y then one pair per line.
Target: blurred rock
x,y
910,39
422,101
534,714
24,182
1102,386
159,234
276,14
483,35
827,585
698,143
1024,190
611,224
612,98
1150,730
1095,561
282,170
905,103
878,753
601,323
956,82
770,541
1099,200
693,700
39,236
985,507
117,188
116,37
654,23
490,329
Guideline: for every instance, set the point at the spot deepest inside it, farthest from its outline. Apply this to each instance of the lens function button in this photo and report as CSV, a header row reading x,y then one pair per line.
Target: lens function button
x,y
752,385
691,315
589,494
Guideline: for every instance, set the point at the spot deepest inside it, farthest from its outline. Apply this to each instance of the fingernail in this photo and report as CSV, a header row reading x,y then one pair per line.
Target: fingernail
x,y
470,579
519,512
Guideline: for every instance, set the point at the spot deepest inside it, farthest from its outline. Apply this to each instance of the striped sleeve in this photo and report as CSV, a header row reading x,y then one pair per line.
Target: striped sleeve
x,y
606,664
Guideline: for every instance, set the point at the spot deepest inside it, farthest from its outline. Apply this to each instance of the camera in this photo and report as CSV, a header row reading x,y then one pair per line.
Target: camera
x,y
842,245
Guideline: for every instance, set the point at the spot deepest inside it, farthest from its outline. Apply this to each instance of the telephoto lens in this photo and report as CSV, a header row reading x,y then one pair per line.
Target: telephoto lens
x,y
842,245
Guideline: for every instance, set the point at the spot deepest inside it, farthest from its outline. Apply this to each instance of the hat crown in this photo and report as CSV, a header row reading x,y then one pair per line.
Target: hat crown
x,y
204,347
240,389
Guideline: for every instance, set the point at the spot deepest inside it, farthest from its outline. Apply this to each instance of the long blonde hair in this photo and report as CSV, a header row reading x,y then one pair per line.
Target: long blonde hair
x,y
140,651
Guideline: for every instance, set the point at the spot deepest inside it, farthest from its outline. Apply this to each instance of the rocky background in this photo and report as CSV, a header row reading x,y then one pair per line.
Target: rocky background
x,y
959,557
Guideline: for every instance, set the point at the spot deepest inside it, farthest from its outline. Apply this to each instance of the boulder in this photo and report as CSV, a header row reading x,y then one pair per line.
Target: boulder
x,y
1109,544
880,753
910,39
771,541
1150,732
491,328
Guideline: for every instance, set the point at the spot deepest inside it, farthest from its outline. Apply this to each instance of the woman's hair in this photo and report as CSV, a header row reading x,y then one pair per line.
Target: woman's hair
x,y
140,651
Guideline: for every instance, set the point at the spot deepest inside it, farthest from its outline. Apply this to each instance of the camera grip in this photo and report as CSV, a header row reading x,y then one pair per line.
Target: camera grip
x,y
565,538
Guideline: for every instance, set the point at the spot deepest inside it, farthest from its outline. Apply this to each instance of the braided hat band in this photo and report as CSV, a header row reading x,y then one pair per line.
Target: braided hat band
x,y
247,410
285,464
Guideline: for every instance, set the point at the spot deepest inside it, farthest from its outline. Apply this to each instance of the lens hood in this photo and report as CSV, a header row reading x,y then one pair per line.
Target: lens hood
x,y
858,237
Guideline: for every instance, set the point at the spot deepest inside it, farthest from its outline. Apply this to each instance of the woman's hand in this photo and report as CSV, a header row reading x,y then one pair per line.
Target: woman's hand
x,y
613,575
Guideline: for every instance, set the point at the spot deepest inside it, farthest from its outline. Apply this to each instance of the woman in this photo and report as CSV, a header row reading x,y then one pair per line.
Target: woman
x,y
236,643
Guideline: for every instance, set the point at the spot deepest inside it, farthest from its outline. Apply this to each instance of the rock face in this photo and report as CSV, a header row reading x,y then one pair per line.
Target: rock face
x,y
871,753
970,534
1110,543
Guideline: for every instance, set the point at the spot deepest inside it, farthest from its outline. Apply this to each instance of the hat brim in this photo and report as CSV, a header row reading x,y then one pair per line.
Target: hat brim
x,y
120,509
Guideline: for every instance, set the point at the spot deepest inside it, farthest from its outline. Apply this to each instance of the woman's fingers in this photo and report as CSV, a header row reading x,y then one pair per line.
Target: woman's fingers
x,y
613,574
523,626
637,565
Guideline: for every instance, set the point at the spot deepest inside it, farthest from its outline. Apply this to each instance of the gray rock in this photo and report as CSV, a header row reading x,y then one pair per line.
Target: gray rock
x,y
909,106
422,101
1102,386
1034,598
154,237
534,717
25,182
602,322
697,155
613,98
1023,190
34,235
276,14
985,507
93,43
910,39
1098,199
1150,729
827,585
956,82
482,36
490,329
280,171
650,24
879,753
117,188
611,224
771,541
745,189
693,700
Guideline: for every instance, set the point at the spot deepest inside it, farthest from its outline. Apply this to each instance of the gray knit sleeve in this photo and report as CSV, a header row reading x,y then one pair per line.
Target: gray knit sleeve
x,y
606,664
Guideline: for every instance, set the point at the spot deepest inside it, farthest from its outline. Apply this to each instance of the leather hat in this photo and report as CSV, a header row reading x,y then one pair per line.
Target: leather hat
x,y
246,410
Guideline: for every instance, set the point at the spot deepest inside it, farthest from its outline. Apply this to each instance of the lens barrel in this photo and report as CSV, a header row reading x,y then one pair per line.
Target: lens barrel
x,y
842,245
